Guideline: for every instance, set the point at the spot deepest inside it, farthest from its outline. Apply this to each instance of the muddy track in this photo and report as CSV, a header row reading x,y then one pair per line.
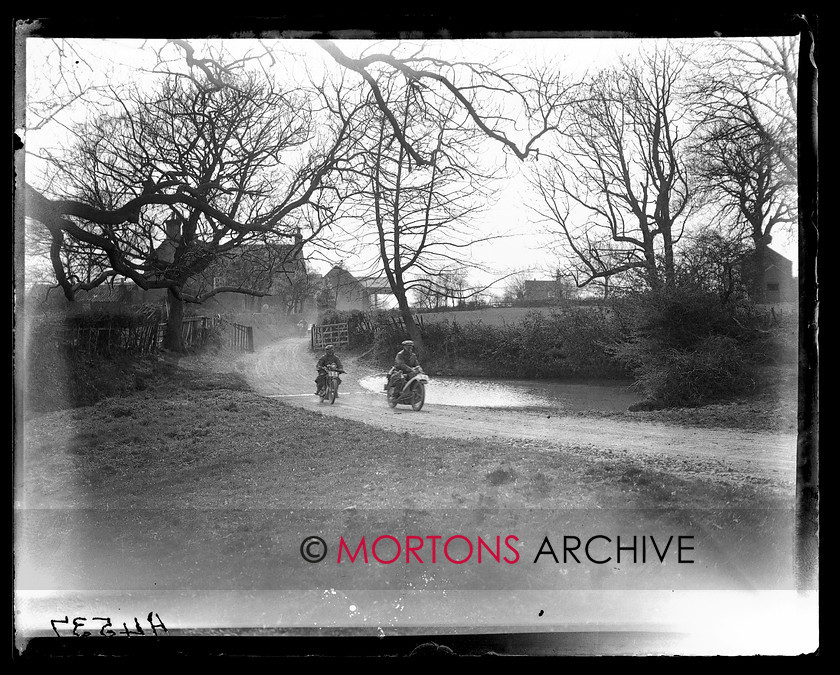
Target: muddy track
x,y
285,370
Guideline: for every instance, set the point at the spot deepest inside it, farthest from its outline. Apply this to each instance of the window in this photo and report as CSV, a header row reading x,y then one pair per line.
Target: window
x,y
773,287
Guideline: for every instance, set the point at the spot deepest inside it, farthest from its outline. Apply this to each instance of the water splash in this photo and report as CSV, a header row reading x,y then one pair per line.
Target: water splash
x,y
474,392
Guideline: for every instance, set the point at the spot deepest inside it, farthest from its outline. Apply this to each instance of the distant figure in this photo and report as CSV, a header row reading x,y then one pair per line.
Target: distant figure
x,y
301,326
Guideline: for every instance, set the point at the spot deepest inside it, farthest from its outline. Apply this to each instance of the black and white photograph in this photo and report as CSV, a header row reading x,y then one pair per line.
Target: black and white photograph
x,y
415,343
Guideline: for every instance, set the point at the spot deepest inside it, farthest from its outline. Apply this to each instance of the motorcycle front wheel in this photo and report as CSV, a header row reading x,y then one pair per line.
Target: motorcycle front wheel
x,y
393,397
418,396
333,391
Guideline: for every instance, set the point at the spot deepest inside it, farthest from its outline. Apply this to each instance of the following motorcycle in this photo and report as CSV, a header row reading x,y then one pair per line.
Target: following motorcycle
x,y
330,389
410,391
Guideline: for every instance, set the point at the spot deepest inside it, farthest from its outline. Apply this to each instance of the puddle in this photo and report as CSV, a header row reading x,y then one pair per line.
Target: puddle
x,y
475,392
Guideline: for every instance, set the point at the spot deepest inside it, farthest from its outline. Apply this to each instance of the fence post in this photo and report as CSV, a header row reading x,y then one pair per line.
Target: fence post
x,y
249,335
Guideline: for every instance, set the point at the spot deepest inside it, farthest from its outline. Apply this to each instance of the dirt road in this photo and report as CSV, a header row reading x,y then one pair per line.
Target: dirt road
x,y
285,370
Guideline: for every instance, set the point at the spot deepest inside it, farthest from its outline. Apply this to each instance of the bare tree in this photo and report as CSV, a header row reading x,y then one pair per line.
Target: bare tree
x,y
462,86
178,179
538,94
447,288
296,289
740,173
417,218
713,261
752,85
616,188
422,173
514,291
746,157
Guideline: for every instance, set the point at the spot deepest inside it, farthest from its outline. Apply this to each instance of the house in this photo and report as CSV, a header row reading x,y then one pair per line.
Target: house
x,y
279,270
778,283
120,294
541,291
342,291
276,269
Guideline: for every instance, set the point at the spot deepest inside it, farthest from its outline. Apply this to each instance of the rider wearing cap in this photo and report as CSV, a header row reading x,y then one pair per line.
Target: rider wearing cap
x,y
404,362
329,358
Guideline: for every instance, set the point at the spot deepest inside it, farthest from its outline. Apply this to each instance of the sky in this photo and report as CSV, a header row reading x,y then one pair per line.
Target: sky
x,y
524,246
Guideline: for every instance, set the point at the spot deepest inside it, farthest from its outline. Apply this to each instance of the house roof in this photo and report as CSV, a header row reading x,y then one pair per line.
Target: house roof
x,y
256,265
777,259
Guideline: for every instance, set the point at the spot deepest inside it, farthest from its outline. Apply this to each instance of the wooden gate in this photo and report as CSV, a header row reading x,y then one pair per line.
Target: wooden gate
x,y
241,338
330,334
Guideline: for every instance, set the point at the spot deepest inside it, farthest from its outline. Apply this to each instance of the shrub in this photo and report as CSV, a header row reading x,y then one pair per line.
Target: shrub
x,y
686,347
58,377
567,343
123,318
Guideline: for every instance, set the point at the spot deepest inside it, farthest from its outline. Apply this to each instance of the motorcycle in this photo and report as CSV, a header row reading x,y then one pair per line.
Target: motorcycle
x,y
411,392
330,389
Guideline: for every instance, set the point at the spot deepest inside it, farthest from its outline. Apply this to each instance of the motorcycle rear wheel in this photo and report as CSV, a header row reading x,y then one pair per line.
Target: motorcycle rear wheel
x,y
418,396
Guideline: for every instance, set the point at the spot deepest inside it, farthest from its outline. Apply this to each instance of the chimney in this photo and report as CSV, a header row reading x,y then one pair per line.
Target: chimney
x,y
173,229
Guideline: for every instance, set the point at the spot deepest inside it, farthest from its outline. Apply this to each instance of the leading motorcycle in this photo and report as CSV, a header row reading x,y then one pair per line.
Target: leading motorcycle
x,y
410,390
330,389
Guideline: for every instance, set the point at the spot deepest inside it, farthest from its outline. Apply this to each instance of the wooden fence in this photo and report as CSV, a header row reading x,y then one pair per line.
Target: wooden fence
x,y
367,325
113,340
241,338
398,323
148,337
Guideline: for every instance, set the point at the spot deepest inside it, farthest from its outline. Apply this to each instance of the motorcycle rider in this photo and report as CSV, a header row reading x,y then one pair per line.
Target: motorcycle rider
x,y
404,363
329,358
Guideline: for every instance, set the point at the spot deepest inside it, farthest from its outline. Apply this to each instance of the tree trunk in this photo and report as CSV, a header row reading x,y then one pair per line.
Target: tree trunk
x,y
668,258
756,273
173,339
411,327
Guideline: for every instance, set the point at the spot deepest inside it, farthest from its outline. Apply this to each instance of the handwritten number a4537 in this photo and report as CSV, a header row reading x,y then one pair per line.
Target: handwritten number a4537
x,y
106,630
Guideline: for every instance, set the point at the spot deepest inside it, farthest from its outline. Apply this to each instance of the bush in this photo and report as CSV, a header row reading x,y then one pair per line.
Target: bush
x,y
123,318
685,347
58,377
567,343
681,378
